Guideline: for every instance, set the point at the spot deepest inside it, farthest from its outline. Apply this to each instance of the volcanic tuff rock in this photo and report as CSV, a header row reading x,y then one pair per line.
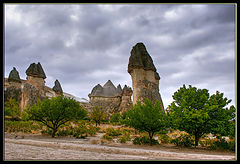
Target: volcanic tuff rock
x,y
57,87
110,98
145,79
14,76
36,70
108,90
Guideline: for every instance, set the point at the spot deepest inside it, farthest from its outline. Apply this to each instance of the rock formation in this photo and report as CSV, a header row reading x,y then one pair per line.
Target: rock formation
x,y
36,75
14,76
145,79
27,92
126,101
109,97
57,87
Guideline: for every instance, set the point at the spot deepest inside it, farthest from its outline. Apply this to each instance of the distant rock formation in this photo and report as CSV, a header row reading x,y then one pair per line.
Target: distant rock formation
x,y
145,79
27,92
57,87
14,76
126,102
108,97
36,70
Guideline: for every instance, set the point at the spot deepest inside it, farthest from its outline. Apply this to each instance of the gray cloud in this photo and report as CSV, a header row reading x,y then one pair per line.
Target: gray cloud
x,y
84,45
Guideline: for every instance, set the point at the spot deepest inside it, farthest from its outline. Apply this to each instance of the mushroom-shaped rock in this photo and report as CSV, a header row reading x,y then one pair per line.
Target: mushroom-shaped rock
x,y
14,76
57,87
36,70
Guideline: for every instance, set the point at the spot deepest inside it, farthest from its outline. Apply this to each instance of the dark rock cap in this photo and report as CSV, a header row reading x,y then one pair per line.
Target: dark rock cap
x,y
57,87
14,76
36,70
140,58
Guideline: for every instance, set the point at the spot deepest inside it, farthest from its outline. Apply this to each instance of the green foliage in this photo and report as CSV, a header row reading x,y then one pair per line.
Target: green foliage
x,y
20,126
218,143
197,113
84,129
11,108
113,132
147,117
56,111
164,138
144,141
184,140
115,118
97,115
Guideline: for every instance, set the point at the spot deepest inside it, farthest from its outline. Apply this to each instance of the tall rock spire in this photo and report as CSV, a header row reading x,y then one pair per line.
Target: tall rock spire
x,y
145,79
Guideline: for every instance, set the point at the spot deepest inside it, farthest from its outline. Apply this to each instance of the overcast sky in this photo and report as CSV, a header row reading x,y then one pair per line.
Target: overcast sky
x,y
83,45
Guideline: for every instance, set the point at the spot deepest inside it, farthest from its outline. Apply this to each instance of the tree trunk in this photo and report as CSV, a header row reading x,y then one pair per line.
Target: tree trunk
x,y
196,140
150,137
54,132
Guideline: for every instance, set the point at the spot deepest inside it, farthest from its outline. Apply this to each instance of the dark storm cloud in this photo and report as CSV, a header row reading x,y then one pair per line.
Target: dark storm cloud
x,y
84,45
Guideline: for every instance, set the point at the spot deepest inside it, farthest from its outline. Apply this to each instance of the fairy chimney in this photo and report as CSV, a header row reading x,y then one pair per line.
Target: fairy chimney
x,y
145,79
36,75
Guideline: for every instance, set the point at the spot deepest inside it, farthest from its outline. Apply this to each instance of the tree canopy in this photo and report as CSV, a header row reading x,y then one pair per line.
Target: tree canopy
x,y
56,111
147,117
196,112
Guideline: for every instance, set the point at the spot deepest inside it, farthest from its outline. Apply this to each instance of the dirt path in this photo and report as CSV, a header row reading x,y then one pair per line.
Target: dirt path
x,y
72,149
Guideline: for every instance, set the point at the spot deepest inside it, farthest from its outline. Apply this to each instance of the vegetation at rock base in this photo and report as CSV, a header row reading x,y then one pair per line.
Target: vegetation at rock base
x,y
97,115
193,116
11,108
56,111
148,117
197,113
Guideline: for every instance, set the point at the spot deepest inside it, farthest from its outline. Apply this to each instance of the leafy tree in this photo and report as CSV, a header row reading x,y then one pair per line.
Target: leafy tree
x,y
148,117
97,115
11,108
56,111
197,113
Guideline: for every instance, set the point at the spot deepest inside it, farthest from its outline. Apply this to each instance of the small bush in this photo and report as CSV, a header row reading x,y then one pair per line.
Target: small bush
x,y
115,118
144,141
107,137
113,132
164,138
20,126
184,140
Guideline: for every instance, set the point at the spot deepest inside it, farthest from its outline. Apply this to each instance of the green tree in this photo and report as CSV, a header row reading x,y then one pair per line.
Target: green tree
x,y
147,117
11,108
56,111
195,112
97,115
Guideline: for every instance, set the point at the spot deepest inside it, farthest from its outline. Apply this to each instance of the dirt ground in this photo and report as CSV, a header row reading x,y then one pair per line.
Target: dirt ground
x,y
41,147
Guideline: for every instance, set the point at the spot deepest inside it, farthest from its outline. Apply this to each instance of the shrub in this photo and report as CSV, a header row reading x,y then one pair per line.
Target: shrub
x,y
20,126
164,138
113,132
115,118
144,141
184,140
107,137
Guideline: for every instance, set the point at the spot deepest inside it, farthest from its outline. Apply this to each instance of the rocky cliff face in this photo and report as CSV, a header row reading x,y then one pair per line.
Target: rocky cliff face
x,y
145,79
